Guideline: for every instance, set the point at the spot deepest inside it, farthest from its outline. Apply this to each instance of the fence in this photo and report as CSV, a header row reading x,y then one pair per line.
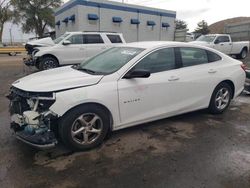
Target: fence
x,y
180,35
239,31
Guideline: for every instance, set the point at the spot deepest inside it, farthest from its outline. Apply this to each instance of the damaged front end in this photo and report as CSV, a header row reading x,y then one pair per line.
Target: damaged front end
x,y
31,119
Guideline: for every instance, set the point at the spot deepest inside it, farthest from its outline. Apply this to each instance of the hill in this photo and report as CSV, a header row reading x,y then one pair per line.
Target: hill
x,y
218,27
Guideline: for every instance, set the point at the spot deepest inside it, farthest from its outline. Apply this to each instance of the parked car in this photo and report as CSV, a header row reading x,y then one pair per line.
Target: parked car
x,y
224,44
190,37
11,50
70,48
124,86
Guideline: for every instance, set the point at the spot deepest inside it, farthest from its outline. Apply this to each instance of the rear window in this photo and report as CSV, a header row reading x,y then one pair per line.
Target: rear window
x,y
193,56
92,39
212,57
114,38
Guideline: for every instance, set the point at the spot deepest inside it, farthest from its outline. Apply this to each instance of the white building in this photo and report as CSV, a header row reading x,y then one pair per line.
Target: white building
x,y
137,23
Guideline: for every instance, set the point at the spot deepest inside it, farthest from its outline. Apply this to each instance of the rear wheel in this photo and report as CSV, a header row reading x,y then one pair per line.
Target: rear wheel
x,y
48,63
84,127
220,99
243,54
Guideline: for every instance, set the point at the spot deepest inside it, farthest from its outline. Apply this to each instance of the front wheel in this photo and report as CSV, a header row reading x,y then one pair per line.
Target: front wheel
x,y
48,63
84,127
220,99
12,54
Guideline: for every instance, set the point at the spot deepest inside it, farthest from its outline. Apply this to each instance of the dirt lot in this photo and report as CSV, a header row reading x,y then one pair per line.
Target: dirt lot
x,y
193,150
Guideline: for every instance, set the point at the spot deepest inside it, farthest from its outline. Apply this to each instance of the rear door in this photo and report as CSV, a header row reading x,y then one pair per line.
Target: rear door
x,y
93,44
197,77
223,44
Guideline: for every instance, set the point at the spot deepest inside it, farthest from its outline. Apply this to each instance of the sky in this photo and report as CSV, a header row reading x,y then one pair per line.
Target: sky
x,y
191,11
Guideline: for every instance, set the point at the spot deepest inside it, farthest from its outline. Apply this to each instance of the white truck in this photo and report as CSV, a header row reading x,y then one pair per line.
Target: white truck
x,y
70,48
224,44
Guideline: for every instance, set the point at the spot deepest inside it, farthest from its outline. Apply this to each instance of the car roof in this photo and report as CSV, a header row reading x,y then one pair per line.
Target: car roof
x,y
157,44
92,32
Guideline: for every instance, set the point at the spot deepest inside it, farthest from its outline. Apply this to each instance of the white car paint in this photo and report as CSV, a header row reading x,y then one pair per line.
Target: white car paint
x,y
229,47
75,53
42,42
138,100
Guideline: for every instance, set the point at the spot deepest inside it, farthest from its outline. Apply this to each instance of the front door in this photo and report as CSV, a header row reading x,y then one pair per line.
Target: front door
x,y
223,44
145,98
72,53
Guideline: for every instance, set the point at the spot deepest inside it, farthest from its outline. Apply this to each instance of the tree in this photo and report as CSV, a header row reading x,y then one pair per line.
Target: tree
x,y
202,28
180,24
36,15
6,14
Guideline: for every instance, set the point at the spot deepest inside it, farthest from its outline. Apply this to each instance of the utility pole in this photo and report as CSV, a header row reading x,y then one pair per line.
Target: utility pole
x,y
11,41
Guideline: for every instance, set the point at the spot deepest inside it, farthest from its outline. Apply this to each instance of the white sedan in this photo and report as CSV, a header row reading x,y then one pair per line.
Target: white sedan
x,y
124,86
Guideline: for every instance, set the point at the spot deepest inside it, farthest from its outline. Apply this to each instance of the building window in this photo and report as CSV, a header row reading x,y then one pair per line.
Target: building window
x,y
151,23
72,18
117,19
93,17
135,21
165,25
66,20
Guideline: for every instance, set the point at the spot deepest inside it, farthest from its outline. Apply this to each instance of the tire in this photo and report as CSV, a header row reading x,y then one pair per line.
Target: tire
x,y
84,127
220,101
48,63
12,54
243,54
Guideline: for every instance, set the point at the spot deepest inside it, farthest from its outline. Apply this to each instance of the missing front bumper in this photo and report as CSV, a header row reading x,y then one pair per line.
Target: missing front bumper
x,y
45,140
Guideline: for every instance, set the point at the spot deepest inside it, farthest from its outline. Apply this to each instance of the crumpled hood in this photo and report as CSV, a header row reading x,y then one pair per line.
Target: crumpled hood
x,y
56,79
42,42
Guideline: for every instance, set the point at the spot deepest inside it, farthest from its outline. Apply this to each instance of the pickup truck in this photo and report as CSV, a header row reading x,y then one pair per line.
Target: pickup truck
x,y
223,43
11,50
70,48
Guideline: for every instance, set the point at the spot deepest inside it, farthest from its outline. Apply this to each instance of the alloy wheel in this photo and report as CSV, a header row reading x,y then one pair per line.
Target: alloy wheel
x,y
87,128
222,98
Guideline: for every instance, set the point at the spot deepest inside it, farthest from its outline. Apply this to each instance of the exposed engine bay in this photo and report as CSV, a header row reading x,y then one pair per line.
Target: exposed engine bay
x,y
31,119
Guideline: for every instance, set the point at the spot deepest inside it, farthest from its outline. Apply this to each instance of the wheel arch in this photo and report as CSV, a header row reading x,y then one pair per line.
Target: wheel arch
x,y
50,55
231,84
97,105
245,47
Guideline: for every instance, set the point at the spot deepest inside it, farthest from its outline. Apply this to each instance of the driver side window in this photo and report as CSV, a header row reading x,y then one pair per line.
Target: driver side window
x,y
223,39
158,61
76,39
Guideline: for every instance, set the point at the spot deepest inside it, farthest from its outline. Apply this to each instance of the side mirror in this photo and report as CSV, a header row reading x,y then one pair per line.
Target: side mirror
x,y
66,42
137,74
216,41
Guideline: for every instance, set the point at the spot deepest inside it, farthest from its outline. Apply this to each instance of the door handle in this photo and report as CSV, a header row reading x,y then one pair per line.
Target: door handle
x,y
222,44
212,71
173,78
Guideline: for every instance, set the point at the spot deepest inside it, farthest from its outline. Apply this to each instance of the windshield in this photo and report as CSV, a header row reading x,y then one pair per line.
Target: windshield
x,y
59,39
110,60
206,38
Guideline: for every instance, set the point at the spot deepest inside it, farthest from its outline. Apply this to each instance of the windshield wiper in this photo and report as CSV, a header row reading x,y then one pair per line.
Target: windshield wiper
x,y
86,70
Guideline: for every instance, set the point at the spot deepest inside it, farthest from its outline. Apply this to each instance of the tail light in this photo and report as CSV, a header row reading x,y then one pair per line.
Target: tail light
x,y
244,67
